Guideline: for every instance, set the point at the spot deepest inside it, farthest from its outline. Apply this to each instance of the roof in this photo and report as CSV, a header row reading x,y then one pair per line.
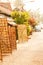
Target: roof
x,y
6,5
5,8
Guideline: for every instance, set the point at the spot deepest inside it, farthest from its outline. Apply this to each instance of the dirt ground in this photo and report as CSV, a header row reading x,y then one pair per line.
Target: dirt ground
x,y
28,53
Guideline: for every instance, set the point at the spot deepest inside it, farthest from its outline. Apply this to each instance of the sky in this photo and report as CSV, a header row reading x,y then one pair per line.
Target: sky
x,y
37,4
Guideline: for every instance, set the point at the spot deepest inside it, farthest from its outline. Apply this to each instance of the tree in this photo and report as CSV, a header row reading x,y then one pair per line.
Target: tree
x,y
19,4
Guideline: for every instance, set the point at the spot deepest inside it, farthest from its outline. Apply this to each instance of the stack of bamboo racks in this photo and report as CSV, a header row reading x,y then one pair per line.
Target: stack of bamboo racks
x,y
7,38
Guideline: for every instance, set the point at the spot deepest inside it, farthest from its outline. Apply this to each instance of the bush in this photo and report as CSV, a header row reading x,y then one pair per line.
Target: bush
x,y
29,28
20,16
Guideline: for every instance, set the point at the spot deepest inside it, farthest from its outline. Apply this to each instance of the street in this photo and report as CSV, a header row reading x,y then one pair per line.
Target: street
x,y
29,53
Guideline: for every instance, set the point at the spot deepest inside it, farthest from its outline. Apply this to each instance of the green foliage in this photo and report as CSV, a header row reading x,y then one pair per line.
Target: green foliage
x,y
29,28
20,16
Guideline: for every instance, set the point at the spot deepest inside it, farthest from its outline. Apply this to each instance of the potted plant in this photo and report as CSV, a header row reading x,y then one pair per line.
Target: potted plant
x,y
20,18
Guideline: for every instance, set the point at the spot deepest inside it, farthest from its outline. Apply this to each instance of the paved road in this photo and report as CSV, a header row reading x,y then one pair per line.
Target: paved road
x,y
29,53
